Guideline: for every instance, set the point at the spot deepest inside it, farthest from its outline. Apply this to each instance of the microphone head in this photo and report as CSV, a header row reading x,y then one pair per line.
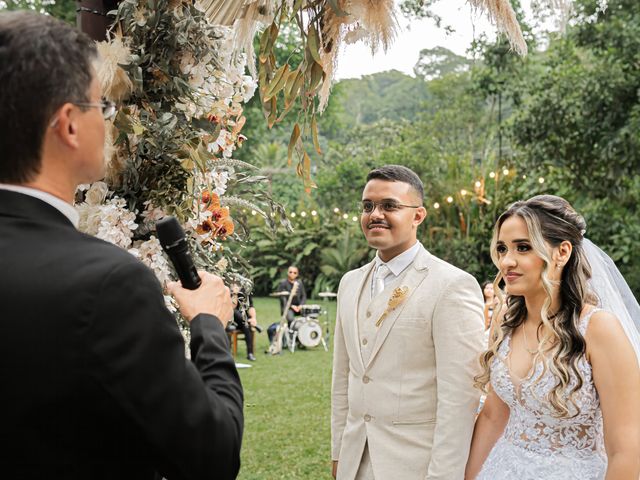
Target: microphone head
x,y
169,231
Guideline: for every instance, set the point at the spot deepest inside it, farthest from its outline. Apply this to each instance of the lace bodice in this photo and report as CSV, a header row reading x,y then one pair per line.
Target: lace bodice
x,y
534,431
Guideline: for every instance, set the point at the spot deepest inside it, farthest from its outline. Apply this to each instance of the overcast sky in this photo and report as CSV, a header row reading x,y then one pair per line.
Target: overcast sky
x,y
356,60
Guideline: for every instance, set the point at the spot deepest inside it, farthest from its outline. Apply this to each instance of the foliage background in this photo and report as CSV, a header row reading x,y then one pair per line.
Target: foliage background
x,y
568,113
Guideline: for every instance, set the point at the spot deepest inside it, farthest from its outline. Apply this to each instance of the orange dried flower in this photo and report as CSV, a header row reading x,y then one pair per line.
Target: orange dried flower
x,y
206,227
212,200
225,228
218,213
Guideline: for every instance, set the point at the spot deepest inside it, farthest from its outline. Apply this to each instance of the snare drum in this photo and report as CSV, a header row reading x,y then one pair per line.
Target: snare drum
x,y
312,311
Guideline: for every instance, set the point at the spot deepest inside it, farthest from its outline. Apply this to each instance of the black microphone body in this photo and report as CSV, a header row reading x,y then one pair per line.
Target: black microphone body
x,y
175,245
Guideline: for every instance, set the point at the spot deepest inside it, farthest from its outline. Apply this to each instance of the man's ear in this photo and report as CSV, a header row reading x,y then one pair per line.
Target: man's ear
x,y
420,215
65,125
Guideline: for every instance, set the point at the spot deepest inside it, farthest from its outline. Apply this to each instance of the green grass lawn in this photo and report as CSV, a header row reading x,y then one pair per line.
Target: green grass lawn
x,y
287,406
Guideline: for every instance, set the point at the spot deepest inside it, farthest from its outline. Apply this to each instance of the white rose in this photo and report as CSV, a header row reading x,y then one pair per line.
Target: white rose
x,y
97,193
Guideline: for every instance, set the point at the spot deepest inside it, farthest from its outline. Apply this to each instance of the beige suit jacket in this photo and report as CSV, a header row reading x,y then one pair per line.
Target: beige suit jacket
x,y
414,401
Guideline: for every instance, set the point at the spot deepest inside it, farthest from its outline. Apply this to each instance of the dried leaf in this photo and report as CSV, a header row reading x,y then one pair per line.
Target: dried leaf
x,y
295,136
317,76
306,173
313,43
278,83
314,134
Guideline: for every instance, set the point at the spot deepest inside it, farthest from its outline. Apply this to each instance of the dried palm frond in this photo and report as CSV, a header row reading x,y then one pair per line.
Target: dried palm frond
x,y
245,28
332,28
222,12
116,84
501,13
373,21
114,158
378,19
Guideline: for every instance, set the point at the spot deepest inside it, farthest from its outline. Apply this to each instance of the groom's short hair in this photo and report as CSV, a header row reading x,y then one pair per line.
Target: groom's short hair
x,y
398,173
44,63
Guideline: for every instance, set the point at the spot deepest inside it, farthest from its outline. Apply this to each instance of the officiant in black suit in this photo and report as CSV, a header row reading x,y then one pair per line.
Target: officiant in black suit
x,y
95,384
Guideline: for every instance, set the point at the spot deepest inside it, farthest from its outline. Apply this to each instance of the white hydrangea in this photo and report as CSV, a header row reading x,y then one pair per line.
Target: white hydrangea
x,y
220,179
151,213
117,223
249,86
150,253
111,221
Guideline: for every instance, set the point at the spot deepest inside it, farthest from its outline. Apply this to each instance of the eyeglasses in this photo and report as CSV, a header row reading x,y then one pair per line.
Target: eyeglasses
x,y
387,206
108,107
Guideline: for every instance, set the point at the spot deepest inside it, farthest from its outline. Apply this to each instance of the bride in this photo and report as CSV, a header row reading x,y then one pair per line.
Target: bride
x,y
562,376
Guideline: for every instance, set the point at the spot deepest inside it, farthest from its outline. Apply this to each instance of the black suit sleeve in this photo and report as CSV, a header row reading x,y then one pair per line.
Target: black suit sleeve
x,y
190,412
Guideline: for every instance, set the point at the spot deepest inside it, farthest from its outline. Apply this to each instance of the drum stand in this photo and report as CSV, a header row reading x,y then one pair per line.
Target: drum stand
x,y
292,336
326,296
325,339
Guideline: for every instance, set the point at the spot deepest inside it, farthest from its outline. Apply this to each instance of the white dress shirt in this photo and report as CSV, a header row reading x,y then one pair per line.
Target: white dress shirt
x,y
63,207
397,264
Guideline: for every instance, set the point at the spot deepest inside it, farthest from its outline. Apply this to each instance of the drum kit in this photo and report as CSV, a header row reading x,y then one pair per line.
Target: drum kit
x,y
305,330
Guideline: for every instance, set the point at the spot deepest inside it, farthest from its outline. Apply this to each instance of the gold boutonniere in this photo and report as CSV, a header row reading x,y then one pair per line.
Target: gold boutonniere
x,y
397,297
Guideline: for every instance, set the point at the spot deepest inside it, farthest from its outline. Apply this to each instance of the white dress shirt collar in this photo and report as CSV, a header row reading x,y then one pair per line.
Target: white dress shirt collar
x,y
63,207
400,262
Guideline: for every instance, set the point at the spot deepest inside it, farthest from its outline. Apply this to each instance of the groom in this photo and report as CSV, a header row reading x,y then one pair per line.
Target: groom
x,y
409,330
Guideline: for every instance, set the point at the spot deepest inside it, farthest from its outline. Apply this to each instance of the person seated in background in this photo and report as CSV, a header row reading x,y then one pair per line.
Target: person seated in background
x,y
490,302
299,299
244,317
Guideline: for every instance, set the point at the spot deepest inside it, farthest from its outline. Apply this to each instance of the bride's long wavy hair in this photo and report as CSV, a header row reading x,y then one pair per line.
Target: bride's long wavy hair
x,y
550,221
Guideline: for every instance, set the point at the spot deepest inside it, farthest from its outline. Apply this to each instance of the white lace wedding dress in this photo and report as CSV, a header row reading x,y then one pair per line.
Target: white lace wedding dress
x,y
536,445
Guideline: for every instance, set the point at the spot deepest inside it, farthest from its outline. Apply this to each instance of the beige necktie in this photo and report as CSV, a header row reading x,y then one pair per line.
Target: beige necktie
x,y
382,272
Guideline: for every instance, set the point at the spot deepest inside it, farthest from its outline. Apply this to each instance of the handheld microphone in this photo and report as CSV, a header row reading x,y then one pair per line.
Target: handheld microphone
x,y
174,243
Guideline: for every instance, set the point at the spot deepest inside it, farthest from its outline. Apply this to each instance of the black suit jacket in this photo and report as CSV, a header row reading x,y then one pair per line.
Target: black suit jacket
x,y
93,377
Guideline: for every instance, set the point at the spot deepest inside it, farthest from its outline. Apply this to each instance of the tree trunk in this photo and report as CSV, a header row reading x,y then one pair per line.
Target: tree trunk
x,y
92,17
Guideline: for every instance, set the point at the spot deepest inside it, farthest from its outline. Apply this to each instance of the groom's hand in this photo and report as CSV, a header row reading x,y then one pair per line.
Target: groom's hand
x,y
210,297
334,470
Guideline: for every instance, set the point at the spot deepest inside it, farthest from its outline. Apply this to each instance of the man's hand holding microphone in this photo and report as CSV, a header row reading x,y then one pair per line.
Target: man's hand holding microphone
x,y
211,297
198,291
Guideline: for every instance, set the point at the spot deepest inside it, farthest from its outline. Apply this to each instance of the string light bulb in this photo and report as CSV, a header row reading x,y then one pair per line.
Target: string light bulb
x,y
478,184
293,214
505,171
345,216
354,218
253,212
336,210
463,192
313,213
450,199
303,214
541,180
492,174
436,205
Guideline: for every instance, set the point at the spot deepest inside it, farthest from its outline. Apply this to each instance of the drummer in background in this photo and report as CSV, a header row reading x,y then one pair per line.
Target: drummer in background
x,y
299,298
244,317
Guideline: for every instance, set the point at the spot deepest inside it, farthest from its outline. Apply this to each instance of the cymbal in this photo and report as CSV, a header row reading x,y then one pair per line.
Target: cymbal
x,y
327,294
280,294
